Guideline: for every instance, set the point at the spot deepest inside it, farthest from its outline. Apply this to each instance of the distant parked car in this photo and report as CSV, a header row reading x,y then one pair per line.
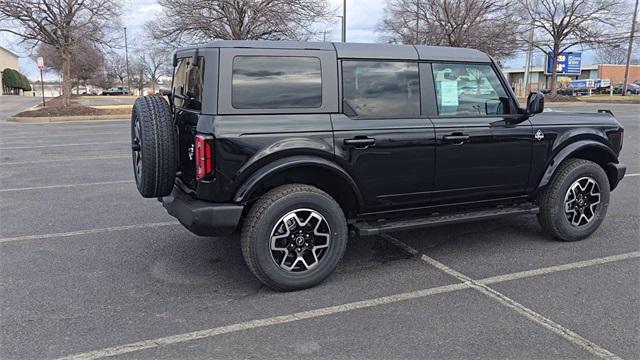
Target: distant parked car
x,y
637,82
120,90
565,91
632,88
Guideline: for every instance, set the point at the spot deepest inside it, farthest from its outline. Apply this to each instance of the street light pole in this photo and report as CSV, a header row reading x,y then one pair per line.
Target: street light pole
x,y
626,68
344,21
417,22
126,55
528,63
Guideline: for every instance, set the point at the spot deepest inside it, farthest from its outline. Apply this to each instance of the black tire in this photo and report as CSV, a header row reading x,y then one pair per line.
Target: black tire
x,y
553,216
261,222
154,143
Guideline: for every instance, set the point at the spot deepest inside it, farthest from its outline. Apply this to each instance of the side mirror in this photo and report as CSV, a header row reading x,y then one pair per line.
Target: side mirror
x,y
535,103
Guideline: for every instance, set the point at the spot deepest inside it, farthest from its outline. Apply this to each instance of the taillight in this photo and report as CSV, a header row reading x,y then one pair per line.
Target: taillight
x,y
204,156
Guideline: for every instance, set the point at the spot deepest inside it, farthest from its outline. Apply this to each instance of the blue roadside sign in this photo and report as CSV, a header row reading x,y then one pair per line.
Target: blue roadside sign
x,y
569,63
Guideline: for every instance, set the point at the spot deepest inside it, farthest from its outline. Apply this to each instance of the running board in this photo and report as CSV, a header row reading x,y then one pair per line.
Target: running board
x,y
365,228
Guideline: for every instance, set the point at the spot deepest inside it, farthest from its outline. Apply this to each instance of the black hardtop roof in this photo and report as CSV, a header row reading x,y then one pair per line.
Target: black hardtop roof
x,y
360,50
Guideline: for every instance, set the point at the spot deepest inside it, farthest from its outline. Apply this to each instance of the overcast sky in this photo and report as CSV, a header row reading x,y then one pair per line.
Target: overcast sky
x,y
363,16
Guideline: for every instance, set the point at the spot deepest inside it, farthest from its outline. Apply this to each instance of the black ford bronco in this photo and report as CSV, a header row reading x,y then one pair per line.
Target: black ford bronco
x,y
299,145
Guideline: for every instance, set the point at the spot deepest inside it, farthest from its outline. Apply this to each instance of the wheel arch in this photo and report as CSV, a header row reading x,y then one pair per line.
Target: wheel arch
x,y
591,150
309,170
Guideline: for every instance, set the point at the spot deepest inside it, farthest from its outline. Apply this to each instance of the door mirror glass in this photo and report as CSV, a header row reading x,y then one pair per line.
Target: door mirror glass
x,y
535,103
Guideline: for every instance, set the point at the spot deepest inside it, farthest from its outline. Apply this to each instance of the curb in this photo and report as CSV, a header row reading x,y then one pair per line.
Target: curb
x,y
50,119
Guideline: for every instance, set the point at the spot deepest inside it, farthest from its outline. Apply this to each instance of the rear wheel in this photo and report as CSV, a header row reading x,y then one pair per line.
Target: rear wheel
x,y
154,146
575,202
293,237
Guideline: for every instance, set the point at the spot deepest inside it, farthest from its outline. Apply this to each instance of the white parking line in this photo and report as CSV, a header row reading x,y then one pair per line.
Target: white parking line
x,y
65,160
68,125
62,145
67,185
557,268
83,132
278,320
88,231
631,175
480,286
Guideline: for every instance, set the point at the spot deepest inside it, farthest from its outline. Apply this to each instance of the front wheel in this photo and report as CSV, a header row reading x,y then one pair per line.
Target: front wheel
x,y
293,237
575,202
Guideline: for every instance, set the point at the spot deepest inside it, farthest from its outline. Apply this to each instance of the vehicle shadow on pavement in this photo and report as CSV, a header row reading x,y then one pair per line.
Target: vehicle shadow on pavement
x,y
216,264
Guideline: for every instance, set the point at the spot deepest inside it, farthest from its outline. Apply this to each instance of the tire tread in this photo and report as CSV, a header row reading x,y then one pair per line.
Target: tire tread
x,y
550,196
159,145
255,213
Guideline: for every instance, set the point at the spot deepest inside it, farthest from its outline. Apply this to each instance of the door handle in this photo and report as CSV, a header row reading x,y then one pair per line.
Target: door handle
x,y
360,142
456,139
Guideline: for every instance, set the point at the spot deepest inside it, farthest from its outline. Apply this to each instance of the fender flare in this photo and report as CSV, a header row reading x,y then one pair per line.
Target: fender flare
x,y
245,190
569,150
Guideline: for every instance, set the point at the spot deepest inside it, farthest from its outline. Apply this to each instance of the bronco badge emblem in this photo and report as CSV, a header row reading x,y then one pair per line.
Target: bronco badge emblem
x,y
539,135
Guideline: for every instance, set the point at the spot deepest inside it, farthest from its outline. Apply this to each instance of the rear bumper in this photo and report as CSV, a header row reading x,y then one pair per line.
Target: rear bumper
x,y
616,173
201,217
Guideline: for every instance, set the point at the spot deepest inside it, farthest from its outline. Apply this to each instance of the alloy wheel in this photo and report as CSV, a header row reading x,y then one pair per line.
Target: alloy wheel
x,y
300,240
581,203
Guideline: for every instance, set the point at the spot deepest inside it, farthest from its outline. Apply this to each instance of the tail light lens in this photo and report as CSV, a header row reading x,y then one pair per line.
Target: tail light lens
x,y
204,156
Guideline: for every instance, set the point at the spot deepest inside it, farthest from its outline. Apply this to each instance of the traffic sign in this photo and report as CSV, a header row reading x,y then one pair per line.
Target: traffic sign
x,y
40,63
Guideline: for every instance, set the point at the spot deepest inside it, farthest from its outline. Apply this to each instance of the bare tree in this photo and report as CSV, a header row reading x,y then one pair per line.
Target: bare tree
x,y
60,23
197,21
138,75
563,24
86,60
87,64
117,67
487,25
155,60
606,54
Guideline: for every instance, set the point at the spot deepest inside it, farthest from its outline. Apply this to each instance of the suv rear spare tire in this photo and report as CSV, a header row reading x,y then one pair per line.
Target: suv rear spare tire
x,y
154,146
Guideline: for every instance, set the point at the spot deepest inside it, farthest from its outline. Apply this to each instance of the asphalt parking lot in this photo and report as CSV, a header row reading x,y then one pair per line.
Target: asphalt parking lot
x,y
91,269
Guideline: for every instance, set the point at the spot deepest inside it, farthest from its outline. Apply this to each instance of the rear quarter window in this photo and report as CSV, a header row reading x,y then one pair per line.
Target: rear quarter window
x,y
187,84
276,82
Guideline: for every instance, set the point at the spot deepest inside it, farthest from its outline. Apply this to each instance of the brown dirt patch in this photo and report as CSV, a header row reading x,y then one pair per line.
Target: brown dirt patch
x,y
53,107
559,98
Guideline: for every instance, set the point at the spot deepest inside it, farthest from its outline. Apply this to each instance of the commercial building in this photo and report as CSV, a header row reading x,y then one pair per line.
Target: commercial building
x,y
8,60
539,80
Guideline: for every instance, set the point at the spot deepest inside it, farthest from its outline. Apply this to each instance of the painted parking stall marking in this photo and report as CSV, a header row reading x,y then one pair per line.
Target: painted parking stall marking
x,y
304,315
73,159
482,287
64,186
64,145
86,232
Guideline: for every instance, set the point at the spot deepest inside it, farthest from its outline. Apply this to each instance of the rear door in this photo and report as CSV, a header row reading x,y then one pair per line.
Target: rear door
x,y
483,147
381,136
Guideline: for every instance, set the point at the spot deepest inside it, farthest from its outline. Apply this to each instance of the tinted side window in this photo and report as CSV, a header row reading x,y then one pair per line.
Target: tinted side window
x,y
469,89
276,82
381,88
187,84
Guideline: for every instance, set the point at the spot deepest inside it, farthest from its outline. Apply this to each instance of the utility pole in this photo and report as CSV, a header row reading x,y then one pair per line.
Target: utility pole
x,y
126,55
528,62
626,68
344,21
417,22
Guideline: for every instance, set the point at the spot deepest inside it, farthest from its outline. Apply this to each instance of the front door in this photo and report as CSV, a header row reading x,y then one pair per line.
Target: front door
x,y
483,147
381,137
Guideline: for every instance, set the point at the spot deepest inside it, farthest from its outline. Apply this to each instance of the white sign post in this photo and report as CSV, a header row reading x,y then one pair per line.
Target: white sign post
x,y
41,67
